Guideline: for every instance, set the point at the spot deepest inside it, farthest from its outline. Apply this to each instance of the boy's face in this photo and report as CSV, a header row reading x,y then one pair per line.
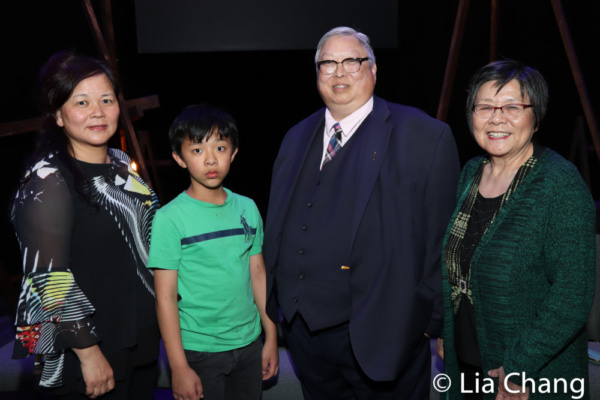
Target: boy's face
x,y
208,161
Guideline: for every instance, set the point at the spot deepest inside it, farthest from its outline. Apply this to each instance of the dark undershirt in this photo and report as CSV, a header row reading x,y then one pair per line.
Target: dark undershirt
x,y
482,214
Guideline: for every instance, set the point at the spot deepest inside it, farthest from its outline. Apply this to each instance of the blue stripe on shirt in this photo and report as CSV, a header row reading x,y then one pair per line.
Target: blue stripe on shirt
x,y
215,235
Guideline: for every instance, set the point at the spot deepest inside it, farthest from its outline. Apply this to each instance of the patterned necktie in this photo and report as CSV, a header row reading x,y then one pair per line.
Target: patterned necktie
x,y
335,144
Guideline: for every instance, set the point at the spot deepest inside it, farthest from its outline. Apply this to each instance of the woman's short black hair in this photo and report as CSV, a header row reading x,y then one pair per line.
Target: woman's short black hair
x,y
200,121
502,72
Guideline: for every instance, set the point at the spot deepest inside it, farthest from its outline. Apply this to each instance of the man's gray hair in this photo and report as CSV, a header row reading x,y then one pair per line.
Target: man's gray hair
x,y
346,31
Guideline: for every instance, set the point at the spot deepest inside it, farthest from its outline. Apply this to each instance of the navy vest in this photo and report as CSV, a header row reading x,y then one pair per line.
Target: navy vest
x,y
313,276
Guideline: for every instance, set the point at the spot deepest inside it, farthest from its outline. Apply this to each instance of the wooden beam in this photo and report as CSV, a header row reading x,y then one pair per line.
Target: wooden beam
x,y
96,32
577,75
579,149
457,36
108,28
124,116
17,127
33,124
145,103
494,31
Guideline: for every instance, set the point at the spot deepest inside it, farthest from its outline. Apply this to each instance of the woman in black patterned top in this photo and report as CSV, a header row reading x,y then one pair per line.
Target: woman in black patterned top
x,y
82,217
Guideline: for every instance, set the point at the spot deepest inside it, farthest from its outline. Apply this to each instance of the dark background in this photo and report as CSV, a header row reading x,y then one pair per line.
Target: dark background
x,y
229,25
268,91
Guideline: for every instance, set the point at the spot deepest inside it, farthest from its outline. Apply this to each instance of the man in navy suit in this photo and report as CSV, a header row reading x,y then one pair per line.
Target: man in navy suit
x,y
361,195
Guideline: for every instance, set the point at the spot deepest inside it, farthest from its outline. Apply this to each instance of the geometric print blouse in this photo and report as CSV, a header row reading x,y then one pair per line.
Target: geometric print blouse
x,y
85,279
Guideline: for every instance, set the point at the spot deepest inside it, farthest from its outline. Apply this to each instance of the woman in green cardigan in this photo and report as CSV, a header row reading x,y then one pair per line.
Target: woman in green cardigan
x,y
519,264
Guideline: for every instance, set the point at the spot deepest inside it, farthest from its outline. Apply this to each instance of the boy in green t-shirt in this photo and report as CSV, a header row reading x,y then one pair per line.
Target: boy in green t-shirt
x,y
206,250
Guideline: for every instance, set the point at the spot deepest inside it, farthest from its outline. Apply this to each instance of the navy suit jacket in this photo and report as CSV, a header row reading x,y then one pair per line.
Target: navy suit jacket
x,y
405,195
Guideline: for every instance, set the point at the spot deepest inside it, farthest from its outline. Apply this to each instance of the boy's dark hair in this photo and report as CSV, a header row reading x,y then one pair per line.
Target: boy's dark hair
x,y
198,122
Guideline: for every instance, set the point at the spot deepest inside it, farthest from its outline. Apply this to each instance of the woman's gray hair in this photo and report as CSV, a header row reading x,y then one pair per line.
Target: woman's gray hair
x,y
346,31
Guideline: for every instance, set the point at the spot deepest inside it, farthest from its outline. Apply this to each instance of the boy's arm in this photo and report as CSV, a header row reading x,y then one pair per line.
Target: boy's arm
x,y
270,355
185,382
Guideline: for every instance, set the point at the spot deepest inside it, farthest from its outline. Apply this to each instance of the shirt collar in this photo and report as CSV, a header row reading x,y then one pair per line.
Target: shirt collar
x,y
351,122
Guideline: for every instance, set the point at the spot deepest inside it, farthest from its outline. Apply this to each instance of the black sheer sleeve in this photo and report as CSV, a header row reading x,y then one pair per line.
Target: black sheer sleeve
x,y
53,313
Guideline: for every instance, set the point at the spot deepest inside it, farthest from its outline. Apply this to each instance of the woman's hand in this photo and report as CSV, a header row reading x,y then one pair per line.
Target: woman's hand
x,y
440,348
97,372
516,392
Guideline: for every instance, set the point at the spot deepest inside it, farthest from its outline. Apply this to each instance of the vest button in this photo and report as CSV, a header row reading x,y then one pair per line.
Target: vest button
x,y
318,181
309,204
301,251
295,299
304,227
301,276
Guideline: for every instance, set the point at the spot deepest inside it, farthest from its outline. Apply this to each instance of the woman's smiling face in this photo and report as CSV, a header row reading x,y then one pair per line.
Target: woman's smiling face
x,y
499,135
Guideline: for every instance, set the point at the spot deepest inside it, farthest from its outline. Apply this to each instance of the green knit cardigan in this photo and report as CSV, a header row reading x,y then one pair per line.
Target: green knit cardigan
x,y
533,282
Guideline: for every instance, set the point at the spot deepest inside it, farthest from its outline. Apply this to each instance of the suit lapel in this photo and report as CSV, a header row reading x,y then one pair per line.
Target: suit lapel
x,y
372,144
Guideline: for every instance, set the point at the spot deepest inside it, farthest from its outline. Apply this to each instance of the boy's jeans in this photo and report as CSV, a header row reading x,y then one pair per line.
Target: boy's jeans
x,y
229,375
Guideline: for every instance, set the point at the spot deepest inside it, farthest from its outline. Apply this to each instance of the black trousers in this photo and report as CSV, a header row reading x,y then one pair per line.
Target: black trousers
x,y
229,375
328,369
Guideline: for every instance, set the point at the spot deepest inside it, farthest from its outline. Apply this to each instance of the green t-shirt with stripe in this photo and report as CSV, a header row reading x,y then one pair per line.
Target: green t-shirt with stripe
x,y
210,246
